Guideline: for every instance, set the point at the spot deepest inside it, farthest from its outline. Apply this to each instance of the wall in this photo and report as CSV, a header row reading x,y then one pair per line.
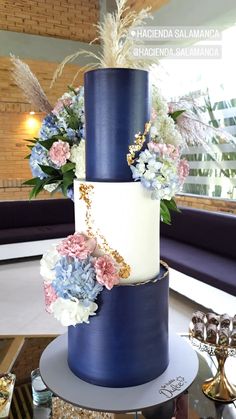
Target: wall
x,y
208,204
42,34
16,124
69,19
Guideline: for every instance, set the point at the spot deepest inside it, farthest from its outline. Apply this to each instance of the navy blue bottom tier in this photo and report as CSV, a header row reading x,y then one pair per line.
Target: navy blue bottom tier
x,y
126,343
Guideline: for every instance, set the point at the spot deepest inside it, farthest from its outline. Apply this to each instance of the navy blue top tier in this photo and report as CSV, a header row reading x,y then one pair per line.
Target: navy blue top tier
x,y
117,106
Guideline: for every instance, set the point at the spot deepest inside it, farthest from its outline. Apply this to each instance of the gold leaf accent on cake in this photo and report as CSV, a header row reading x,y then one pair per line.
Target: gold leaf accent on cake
x,y
140,139
85,190
85,195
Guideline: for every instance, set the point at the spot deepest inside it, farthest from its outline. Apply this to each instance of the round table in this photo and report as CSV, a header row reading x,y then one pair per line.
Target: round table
x,y
179,375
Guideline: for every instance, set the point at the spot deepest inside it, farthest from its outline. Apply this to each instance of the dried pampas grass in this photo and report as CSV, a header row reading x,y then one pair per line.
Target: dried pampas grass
x,y
30,86
114,33
193,128
116,42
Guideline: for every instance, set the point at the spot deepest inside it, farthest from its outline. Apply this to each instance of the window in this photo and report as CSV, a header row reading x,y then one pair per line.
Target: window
x,y
211,85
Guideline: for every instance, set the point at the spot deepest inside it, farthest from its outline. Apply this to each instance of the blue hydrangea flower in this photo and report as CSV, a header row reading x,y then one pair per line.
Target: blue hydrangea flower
x,y
70,193
38,156
82,132
156,173
70,133
76,278
49,127
135,172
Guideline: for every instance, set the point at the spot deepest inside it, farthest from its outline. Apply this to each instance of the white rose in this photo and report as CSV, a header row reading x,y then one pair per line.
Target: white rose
x,y
77,156
70,313
48,262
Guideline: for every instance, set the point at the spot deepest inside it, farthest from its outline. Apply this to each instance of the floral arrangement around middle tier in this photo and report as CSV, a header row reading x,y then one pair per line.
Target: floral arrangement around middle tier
x,y
75,271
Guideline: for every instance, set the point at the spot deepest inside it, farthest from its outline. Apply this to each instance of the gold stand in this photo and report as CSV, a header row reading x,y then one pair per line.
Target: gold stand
x,y
218,388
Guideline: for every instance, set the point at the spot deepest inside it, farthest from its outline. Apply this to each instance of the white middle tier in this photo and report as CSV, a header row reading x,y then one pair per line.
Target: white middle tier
x,y
129,219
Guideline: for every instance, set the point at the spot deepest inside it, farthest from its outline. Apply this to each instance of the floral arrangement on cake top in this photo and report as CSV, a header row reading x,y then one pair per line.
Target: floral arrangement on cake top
x,y
75,271
58,155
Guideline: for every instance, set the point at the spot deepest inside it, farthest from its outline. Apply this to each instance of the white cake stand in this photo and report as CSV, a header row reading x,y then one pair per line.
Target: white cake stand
x,y
179,375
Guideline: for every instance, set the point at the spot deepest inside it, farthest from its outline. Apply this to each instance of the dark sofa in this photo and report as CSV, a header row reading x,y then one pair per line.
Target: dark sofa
x,y
202,244
23,221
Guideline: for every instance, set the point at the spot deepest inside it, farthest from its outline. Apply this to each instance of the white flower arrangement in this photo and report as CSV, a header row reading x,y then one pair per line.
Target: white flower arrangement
x,y
77,156
72,312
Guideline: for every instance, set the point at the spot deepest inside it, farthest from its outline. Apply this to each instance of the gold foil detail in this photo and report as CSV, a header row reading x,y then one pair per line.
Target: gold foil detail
x,y
85,195
138,143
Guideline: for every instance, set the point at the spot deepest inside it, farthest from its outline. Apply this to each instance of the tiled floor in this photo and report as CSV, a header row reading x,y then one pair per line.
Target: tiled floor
x,y
22,303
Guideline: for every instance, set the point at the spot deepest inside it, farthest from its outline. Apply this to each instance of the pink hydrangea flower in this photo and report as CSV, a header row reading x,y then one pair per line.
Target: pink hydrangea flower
x,y
157,147
49,295
183,169
77,245
59,152
172,151
165,150
106,271
60,105
153,114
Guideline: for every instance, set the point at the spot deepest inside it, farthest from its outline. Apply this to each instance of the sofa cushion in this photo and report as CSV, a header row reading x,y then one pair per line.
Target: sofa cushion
x,y
214,232
22,234
213,269
16,214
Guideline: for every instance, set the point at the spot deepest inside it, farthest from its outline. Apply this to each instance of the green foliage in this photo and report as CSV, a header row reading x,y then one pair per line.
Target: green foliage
x,y
67,167
67,181
48,170
165,208
48,143
30,182
72,119
38,187
32,141
71,88
176,114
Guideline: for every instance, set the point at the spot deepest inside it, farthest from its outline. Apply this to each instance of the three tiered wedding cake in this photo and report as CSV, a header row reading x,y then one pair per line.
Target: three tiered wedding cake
x,y
126,343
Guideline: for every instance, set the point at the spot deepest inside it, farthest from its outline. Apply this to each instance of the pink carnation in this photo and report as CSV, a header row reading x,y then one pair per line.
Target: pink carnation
x,y
60,105
106,271
59,152
49,295
77,245
183,169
